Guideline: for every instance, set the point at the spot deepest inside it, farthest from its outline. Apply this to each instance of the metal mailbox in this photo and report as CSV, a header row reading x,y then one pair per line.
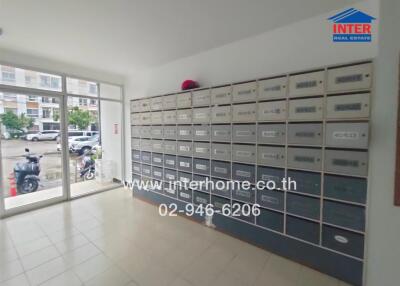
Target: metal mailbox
x,y
244,153
221,114
157,159
303,229
271,156
271,134
348,106
136,118
170,132
221,169
350,78
243,172
201,150
185,132
244,133
156,118
184,116
304,158
169,117
144,104
201,133
221,95
345,188
201,115
270,219
157,173
146,170
170,161
157,146
305,134
145,145
200,198
169,101
221,151
156,103
306,84
201,97
170,147
135,131
184,178
348,135
275,175
306,109
185,195
135,143
303,206
137,168
343,241
221,188
185,164
348,216
271,199
136,155
272,111
221,133
346,162
135,106
157,132
184,148
184,100
145,157
145,118
306,182
272,88
145,131
244,194
244,92
244,113
201,166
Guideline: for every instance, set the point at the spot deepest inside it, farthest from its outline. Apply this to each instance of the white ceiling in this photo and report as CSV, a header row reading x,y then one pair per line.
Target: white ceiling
x,y
129,35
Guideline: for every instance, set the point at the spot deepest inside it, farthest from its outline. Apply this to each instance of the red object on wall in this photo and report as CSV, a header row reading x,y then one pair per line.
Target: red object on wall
x,y
189,84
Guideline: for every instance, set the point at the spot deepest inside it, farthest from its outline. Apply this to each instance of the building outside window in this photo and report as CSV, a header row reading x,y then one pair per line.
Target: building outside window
x,y
93,88
47,81
46,112
32,112
93,102
9,96
32,98
8,74
13,110
82,101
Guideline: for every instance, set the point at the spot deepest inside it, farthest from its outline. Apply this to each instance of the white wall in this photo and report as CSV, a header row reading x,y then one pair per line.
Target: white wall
x,y
383,252
111,127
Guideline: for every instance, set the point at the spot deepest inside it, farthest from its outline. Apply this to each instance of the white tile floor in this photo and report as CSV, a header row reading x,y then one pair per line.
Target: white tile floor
x,y
112,239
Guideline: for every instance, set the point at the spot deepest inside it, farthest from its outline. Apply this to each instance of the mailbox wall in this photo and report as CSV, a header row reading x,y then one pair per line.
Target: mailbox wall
x,y
312,126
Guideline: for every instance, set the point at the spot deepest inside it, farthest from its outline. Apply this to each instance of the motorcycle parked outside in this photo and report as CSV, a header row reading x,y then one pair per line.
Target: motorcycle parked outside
x,y
27,173
87,166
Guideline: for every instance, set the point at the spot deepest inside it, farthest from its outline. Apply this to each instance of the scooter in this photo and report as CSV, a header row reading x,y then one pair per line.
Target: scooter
x,y
87,170
27,173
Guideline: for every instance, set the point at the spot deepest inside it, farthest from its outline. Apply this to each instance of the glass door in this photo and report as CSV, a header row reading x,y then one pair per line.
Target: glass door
x,y
32,168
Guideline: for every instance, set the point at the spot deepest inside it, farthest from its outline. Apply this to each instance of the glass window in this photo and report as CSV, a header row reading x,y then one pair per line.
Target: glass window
x,y
28,78
9,97
7,75
32,98
81,87
32,112
46,112
82,101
